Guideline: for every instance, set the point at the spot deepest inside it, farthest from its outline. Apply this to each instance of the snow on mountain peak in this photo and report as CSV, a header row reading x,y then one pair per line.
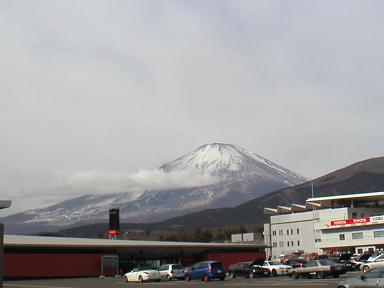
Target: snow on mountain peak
x,y
228,160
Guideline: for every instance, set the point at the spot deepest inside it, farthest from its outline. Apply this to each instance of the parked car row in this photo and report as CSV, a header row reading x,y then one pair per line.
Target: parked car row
x,y
206,271
319,269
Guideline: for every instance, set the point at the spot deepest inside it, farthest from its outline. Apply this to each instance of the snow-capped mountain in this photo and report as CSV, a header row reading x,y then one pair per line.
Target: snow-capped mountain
x,y
240,176
232,163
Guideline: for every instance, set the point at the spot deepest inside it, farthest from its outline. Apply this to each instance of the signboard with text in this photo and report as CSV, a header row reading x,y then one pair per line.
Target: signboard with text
x,y
350,221
357,221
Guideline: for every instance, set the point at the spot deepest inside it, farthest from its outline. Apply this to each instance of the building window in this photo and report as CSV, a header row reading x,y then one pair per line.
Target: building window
x,y
291,231
341,236
280,232
288,243
354,215
274,244
357,235
298,242
287,231
291,243
297,231
378,234
274,233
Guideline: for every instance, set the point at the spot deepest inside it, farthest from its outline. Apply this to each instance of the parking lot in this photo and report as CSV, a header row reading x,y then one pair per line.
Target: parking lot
x,y
282,281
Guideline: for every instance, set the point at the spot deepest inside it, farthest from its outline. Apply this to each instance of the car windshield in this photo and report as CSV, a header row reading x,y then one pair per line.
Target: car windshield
x,y
141,269
364,257
177,267
374,255
217,265
257,262
326,262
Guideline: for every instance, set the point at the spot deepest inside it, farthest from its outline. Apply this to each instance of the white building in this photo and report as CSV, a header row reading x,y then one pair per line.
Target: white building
x,y
246,237
346,223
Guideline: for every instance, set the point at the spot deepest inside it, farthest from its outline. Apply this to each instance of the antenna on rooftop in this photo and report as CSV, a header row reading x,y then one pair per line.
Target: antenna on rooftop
x,y
313,207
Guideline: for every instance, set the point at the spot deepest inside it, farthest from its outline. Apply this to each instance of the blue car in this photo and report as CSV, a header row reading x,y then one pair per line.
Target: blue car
x,y
206,271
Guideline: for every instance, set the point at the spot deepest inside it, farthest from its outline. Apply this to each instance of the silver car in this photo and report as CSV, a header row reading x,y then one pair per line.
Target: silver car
x,y
171,271
377,263
371,278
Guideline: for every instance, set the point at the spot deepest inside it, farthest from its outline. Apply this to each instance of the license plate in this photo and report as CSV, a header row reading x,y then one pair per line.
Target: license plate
x,y
219,271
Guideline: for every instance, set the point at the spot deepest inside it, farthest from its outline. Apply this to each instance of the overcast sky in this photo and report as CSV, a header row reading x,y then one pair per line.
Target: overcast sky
x,y
102,91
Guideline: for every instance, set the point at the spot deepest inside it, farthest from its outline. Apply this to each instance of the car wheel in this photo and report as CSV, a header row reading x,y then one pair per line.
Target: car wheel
x,y
320,275
222,278
140,280
187,278
232,275
205,278
336,275
125,278
295,275
252,275
365,268
274,273
169,278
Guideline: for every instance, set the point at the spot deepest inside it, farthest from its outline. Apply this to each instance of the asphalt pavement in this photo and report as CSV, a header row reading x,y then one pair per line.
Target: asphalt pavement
x,y
282,282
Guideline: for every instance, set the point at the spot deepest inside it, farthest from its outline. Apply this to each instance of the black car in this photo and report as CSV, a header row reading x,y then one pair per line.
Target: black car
x,y
346,259
239,269
248,269
257,269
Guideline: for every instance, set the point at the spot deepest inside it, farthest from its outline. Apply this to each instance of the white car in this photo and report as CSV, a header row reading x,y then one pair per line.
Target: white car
x,y
142,274
276,268
375,257
377,263
171,271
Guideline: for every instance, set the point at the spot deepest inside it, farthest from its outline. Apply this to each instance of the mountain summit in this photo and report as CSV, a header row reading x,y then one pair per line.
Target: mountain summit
x,y
232,162
241,175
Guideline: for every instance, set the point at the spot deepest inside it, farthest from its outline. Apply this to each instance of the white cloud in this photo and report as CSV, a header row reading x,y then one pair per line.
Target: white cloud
x,y
64,185
135,183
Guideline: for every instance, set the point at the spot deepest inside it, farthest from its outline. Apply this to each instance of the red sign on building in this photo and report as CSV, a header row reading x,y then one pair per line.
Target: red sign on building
x,y
351,221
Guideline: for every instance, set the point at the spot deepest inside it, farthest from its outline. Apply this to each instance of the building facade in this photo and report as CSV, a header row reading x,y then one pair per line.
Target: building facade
x,y
334,224
38,256
354,235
